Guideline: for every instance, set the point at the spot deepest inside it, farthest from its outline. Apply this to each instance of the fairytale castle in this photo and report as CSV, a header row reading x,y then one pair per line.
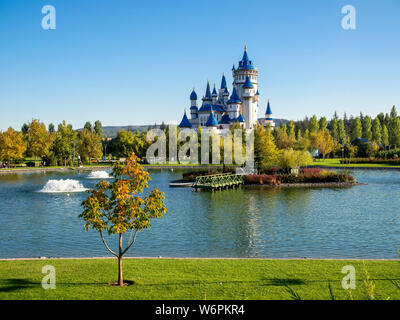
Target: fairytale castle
x,y
219,110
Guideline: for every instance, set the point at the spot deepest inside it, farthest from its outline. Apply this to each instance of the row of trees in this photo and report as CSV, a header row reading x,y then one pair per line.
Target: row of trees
x,y
53,147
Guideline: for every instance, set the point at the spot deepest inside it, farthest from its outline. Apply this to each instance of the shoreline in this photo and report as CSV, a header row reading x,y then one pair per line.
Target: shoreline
x,y
309,185
160,167
199,258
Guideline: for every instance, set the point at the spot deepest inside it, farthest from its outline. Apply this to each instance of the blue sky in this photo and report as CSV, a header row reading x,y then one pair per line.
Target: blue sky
x,y
127,62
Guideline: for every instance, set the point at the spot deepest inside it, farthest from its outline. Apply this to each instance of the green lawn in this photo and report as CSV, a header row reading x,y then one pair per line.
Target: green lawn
x,y
336,163
196,279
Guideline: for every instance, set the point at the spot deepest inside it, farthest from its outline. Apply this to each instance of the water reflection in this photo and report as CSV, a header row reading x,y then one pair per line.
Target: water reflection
x,y
360,222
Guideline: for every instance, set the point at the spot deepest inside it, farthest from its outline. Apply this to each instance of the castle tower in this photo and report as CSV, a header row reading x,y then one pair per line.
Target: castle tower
x,y
214,96
246,84
207,99
234,105
193,105
269,121
223,87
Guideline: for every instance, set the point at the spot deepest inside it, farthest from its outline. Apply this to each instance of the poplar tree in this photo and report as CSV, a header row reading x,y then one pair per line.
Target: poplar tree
x,y
356,129
366,128
376,131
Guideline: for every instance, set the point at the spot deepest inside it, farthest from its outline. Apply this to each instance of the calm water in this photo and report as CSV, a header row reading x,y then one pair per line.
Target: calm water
x,y
361,222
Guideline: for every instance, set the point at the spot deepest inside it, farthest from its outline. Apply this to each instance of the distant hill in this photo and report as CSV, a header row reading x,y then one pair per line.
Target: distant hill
x,y
111,131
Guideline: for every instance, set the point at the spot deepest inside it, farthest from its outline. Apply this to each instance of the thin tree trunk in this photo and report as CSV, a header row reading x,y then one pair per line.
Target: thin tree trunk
x,y
120,277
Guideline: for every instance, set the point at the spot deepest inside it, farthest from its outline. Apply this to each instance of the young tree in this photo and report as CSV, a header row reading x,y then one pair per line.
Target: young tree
x,y
12,145
90,145
119,207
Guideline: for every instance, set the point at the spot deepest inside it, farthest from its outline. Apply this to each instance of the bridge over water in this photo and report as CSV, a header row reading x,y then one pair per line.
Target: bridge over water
x,y
218,181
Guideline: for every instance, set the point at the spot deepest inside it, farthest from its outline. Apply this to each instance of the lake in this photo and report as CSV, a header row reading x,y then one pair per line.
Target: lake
x,y
358,222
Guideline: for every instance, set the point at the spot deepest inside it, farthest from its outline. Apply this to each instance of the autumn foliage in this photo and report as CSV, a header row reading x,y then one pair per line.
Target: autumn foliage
x,y
120,207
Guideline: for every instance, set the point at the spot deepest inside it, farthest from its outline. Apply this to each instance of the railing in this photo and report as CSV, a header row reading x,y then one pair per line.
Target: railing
x,y
218,181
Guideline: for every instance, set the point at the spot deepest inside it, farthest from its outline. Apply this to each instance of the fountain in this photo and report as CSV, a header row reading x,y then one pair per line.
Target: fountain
x,y
63,186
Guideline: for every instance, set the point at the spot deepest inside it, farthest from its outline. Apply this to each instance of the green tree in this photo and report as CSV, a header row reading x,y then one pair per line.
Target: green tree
x,y
376,131
356,129
366,128
314,125
119,207
341,132
333,127
88,126
128,142
64,142
323,123
90,145
394,131
98,128
385,135
292,159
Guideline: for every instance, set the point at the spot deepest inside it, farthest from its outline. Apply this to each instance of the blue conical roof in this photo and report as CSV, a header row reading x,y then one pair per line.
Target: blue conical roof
x,y
233,68
240,118
234,97
214,91
208,91
185,123
257,93
225,119
246,63
248,83
223,82
211,122
269,111
226,92
193,95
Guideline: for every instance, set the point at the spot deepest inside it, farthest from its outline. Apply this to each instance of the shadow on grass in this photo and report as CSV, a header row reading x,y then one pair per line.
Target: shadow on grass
x,y
9,285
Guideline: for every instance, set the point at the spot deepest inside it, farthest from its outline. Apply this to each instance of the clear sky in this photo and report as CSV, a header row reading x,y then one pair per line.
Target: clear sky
x,y
128,62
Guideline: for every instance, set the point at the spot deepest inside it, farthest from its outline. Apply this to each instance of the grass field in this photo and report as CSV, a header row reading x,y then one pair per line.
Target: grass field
x,y
197,279
336,163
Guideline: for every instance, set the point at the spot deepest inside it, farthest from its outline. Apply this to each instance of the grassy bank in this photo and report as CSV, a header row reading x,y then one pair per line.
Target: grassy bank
x,y
336,163
196,279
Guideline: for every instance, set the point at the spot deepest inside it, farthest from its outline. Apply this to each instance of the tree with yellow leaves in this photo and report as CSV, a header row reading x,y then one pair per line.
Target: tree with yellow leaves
x,y
323,142
39,140
12,145
118,207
